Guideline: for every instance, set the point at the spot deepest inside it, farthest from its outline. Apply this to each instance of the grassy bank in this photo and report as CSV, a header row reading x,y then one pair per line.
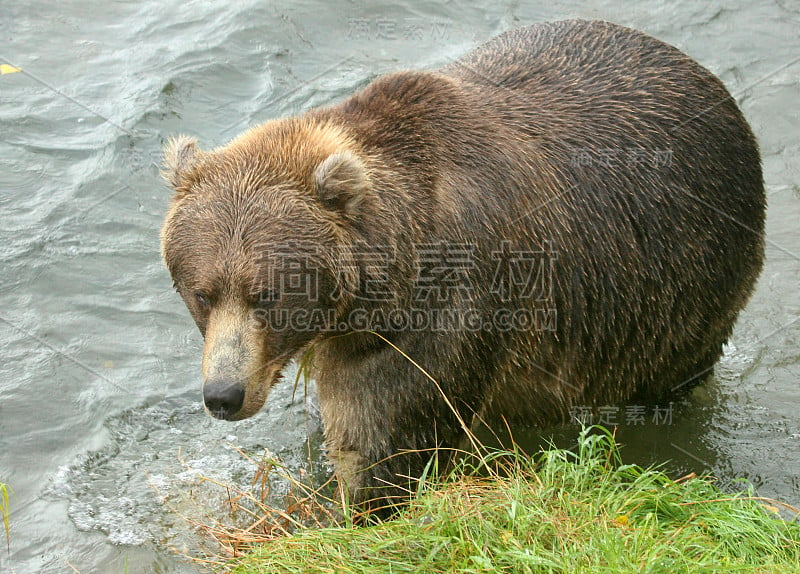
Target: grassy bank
x,y
561,512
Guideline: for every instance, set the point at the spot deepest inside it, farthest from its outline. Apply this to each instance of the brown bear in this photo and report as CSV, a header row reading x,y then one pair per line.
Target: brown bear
x,y
571,214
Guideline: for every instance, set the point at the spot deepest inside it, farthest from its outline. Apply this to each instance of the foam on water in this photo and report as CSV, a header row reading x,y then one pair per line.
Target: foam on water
x,y
135,489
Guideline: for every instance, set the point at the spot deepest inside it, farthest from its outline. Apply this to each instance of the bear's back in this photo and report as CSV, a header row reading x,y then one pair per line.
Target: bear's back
x,y
614,111
587,57
594,83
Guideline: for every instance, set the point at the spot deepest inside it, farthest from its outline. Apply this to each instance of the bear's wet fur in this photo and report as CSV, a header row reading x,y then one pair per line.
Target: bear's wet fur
x,y
600,157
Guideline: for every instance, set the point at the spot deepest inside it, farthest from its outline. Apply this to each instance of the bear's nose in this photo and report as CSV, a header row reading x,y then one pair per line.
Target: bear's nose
x,y
223,399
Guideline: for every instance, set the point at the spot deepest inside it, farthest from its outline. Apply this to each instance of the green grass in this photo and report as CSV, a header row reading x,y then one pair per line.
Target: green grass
x,y
560,512
4,510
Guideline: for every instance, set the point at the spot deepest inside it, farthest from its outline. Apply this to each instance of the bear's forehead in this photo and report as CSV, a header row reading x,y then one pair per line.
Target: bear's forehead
x,y
284,151
246,211
249,223
221,264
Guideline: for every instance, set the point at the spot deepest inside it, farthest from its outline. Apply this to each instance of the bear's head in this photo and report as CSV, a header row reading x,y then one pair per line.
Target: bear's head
x,y
258,241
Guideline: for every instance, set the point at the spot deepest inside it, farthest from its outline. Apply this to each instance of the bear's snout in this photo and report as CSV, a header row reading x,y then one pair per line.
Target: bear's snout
x,y
235,383
223,399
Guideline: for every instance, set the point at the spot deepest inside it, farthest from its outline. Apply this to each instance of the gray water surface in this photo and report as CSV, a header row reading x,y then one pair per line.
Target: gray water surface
x,y
102,436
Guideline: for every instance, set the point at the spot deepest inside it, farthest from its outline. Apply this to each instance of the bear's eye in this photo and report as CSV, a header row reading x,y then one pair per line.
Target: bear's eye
x,y
202,299
266,298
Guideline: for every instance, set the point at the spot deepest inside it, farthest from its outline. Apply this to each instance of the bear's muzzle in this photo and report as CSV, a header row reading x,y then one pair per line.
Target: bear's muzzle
x,y
236,376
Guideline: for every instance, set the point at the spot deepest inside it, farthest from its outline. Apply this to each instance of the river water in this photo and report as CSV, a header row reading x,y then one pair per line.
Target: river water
x,y
102,437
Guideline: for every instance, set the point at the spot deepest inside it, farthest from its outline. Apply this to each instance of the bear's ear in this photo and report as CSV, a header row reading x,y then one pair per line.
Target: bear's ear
x,y
180,156
341,182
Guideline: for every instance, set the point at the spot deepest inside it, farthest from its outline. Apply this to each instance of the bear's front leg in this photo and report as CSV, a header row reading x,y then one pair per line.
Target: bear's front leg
x,y
381,437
